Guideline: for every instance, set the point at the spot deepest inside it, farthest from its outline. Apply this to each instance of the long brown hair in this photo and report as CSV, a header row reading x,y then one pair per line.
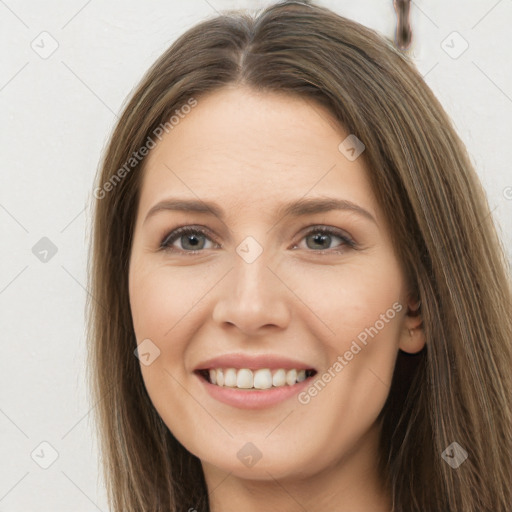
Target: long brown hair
x,y
457,389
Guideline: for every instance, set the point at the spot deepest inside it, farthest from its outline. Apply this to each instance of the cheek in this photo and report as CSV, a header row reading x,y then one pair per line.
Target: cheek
x,y
347,299
361,306
159,298
345,399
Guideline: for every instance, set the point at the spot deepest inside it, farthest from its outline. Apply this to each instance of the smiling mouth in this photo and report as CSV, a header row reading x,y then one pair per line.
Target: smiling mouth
x,y
261,379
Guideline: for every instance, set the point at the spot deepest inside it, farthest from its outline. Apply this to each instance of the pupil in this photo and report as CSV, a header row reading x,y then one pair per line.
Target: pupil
x,y
193,240
320,238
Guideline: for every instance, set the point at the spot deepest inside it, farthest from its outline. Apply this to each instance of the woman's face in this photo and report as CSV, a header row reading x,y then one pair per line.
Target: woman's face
x,y
260,288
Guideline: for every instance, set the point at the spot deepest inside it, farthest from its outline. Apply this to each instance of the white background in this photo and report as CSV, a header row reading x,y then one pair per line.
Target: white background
x,y
56,115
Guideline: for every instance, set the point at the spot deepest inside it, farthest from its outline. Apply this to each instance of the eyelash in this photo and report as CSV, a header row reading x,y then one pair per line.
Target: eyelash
x,y
185,230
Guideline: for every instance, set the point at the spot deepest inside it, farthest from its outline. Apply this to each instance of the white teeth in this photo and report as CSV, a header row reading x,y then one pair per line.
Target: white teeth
x,y
279,378
291,377
263,378
244,379
230,378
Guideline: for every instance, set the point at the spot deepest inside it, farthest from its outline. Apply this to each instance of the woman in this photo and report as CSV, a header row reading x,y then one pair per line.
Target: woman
x,y
238,367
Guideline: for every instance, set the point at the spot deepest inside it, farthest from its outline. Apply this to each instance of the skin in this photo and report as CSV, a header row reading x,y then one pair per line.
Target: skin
x,y
249,152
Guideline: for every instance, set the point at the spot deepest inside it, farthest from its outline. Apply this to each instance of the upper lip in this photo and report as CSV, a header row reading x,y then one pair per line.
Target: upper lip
x,y
253,362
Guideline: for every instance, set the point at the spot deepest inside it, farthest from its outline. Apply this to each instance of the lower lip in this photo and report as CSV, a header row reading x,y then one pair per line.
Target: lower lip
x,y
252,398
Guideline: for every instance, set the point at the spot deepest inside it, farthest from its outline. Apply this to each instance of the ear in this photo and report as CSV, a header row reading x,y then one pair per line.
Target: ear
x,y
412,335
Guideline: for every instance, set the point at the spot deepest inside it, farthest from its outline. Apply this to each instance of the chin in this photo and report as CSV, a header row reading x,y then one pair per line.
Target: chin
x,y
259,461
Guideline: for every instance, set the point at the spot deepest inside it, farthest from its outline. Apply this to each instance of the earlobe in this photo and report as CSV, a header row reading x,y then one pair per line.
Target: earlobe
x,y
412,338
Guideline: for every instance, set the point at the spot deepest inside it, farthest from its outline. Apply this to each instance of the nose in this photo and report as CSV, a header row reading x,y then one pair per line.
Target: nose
x,y
253,297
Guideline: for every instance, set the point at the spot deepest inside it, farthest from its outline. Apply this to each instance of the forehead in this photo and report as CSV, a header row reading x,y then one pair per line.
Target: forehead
x,y
243,147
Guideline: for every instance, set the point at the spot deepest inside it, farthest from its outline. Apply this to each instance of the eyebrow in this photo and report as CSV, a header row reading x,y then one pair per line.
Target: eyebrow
x,y
300,207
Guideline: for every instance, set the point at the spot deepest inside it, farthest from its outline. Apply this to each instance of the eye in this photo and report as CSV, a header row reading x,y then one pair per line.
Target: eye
x,y
322,236
191,237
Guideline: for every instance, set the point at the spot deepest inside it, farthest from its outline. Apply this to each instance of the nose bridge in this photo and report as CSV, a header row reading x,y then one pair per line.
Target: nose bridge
x,y
252,295
252,276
